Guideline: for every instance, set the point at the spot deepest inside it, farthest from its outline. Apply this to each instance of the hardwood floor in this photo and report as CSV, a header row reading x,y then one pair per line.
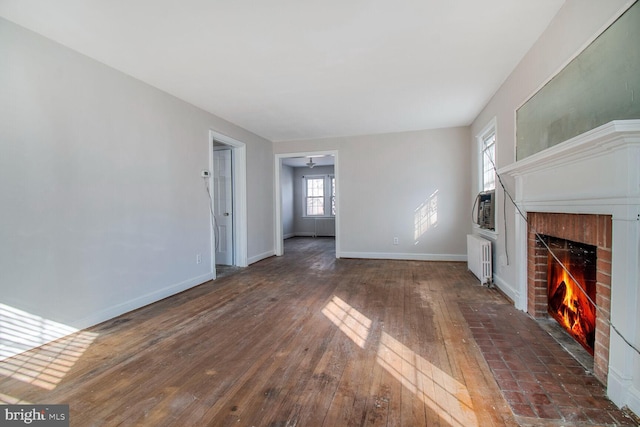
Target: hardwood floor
x,y
298,340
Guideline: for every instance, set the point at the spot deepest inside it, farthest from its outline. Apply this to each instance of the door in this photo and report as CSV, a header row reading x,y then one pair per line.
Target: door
x,y
223,206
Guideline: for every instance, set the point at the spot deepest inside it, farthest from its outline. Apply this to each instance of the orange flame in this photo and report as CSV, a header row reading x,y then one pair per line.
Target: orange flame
x,y
569,305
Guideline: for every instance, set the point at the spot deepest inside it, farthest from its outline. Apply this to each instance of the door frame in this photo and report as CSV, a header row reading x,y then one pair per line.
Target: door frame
x,y
239,178
279,238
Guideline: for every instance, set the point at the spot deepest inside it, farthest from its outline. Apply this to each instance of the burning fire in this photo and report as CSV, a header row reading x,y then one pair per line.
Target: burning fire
x,y
569,305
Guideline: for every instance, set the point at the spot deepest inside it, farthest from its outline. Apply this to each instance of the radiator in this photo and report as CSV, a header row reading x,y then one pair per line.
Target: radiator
x,y
479,258
325,227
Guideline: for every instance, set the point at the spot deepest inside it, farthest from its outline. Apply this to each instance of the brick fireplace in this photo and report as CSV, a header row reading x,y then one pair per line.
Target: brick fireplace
x,y
589,229
586,190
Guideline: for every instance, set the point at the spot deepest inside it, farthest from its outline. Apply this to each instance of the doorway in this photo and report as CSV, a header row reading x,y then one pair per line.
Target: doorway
x,y
288,159
223,204
227,162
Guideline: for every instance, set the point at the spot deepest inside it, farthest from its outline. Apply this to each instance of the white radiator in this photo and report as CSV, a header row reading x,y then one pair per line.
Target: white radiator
x,y
479,258
325,227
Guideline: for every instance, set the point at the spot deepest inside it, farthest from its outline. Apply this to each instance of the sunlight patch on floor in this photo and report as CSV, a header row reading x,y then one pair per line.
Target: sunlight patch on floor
x,y
6,399
349,320
446,396
442,393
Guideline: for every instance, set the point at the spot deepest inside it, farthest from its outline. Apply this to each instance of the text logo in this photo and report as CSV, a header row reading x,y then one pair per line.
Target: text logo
x,y
35,415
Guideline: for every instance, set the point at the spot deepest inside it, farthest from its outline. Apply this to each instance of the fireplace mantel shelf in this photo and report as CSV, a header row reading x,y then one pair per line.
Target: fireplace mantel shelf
x,y
614,135
591,173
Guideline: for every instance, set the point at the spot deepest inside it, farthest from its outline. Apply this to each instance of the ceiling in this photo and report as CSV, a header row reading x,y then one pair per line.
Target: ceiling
x,y
290,69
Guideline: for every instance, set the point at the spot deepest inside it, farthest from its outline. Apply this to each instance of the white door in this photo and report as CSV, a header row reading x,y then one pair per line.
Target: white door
x,y
222,206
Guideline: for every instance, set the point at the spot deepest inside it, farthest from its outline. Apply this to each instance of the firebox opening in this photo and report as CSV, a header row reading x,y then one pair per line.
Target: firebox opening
x,y
567,303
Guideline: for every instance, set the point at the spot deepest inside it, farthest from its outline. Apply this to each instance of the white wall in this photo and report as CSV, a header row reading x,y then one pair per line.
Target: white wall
x,y
288,207
384,179
575,26
103,209
260,200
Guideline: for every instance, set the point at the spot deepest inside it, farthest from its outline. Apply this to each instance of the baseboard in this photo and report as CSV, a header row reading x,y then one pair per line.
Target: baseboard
x,y
288,236
261,256
104,315
143,300
404,256
508,290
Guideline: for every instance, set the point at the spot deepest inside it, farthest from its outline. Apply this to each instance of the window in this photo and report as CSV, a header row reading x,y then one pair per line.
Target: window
x,y
333,196
319,193
484,206
315,196
487,143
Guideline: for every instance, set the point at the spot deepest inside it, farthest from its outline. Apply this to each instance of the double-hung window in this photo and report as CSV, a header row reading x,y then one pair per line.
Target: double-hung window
x,y
319,195
488,159
486,141
487,145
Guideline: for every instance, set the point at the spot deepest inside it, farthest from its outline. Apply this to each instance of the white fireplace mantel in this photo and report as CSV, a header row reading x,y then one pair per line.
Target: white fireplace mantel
x,y
597,172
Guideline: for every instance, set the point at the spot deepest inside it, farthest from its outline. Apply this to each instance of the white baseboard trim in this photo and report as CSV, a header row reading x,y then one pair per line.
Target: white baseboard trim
x,y
404,256
8,350
261,256
288,236
143,300
508,290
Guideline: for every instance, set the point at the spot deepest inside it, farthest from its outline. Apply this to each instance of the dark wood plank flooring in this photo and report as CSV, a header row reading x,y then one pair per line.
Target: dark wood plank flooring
x,y
298,340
